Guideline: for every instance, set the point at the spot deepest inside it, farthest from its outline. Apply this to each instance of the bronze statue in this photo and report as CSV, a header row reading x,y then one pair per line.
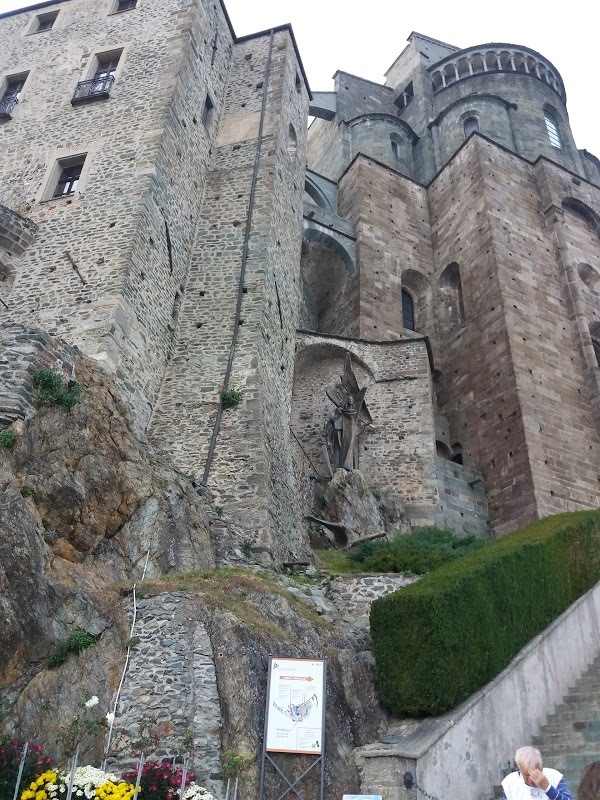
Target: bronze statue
x,y
349,420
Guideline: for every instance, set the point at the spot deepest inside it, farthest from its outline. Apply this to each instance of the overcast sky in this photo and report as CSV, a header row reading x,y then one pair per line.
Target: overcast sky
x,y
365,38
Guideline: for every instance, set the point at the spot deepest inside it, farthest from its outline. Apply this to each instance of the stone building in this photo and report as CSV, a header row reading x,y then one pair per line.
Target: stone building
x,y
164,210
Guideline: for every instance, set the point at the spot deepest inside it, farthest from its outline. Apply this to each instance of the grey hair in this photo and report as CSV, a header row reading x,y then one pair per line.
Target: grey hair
x,y
529,758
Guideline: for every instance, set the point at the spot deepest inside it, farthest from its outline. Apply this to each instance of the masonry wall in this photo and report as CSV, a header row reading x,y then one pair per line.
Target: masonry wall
x,y
513,378
252,471
391,218
115,298
399,453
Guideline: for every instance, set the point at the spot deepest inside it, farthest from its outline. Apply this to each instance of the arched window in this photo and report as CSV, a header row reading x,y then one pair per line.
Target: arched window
x,y
470,125
553,129
395,150
408,311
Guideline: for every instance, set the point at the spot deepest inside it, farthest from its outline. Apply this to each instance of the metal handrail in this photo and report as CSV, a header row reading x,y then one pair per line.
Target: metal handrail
x,y
96,87
7,105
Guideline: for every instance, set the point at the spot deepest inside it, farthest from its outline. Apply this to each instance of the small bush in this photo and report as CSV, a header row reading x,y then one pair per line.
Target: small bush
x,y
7,437
219,511
158,781
54,390
421,551
246,547
11,751
230,398
26,491
376,494
75,643
442,638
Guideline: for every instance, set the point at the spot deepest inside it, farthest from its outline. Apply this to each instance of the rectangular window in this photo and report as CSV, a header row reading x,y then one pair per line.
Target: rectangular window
x,y
107,65
101,76
207,112
125,5
44,22
12,91
68,179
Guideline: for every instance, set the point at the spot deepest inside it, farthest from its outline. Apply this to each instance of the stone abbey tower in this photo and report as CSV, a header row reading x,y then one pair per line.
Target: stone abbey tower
x,y
165,210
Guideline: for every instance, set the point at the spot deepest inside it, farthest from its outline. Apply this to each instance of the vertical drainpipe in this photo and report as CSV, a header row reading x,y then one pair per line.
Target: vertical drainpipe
x,y
245,248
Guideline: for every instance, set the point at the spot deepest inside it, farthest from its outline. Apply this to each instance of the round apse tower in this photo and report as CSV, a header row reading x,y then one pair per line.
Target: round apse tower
x,y
511,94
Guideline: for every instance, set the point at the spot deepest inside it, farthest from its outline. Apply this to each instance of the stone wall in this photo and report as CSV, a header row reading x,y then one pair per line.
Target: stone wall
x,y
102,255
399,453
22,351
252,471
170,690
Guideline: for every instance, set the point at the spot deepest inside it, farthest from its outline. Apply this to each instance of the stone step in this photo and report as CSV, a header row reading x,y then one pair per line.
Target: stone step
x,y
556,752
569,714
566,728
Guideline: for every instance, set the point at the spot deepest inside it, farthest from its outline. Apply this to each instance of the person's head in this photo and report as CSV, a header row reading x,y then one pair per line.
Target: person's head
x,y
589,788
528,758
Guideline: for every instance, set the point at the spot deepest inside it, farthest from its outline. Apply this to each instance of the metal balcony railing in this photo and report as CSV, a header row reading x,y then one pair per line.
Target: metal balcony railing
x,y
7,105
94,89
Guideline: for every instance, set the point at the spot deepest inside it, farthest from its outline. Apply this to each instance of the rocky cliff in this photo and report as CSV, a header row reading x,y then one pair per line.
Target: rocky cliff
x,y
85,507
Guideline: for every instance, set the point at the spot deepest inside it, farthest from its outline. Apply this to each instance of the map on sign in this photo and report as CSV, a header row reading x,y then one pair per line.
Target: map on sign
x,y
295,706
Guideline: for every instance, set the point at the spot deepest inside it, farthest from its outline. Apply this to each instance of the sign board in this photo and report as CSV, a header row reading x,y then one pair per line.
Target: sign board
x,y
362,797
295,705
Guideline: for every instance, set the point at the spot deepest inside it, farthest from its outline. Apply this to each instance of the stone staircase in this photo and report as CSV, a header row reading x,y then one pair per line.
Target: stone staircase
x,y
571,737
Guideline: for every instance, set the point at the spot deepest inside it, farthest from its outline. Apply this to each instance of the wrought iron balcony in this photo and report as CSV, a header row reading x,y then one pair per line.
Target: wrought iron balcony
x,y
7,105
95,89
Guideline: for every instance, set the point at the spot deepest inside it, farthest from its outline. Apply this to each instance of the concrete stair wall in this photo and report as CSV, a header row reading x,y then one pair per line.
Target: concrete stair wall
x,y
571,737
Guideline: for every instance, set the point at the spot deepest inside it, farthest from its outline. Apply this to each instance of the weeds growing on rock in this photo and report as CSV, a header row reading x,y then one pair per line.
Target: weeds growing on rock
x,y
75,643
219,511
26,491
53,389
7,437
246,548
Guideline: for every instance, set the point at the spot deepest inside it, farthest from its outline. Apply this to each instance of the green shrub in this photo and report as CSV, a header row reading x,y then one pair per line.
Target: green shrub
x,y
230,398
439,640
7,437
421,551
26,491
54,390
74,643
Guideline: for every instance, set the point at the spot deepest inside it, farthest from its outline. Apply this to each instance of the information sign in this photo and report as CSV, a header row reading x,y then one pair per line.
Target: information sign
x,y
295,706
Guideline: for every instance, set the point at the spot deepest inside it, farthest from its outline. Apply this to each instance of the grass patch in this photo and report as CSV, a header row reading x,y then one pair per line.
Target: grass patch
x,y
76,642
54,390
238,591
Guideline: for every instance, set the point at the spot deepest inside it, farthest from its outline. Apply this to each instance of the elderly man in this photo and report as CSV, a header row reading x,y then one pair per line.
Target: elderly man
x,y
533,780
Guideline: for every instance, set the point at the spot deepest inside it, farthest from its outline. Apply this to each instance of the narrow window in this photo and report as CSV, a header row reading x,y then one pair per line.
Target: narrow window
x,y
12,92
292,147
394,149
470,125
553,130
125,5
68,179
408,311
298,83
207,112
44,22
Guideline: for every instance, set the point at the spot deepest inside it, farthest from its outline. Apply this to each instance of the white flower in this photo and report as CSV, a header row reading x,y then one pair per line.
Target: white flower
x,y
196,792
93,701
110,717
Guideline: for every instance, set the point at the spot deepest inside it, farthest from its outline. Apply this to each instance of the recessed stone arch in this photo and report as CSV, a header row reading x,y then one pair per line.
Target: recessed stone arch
x,y
584,211
316,195
317,366
419,288
595,334
7,277
329,289
451,308
590,277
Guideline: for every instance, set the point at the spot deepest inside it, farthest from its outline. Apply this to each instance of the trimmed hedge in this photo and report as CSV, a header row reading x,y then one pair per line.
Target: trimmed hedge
x,y
439,640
